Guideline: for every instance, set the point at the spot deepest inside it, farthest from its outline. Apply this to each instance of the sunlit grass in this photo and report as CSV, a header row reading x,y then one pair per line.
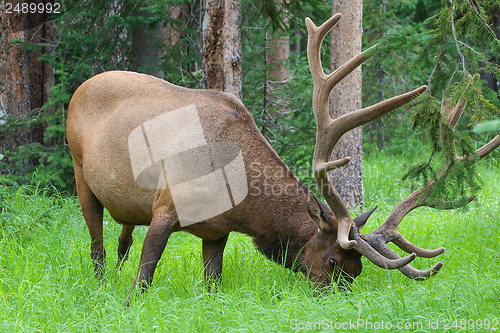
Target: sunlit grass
x,y
47,283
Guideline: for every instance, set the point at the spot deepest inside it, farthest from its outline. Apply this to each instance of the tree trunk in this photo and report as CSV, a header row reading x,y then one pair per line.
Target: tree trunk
x,y
172,32
279,47
147,45
345,98
277,54
222,45
491,80
296,41
378,124
25,81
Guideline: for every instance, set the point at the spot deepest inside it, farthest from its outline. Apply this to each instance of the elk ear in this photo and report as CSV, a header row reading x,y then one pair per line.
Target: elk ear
x,y
314,210
360,220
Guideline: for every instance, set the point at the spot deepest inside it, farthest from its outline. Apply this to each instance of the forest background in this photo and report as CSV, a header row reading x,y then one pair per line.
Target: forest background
x,y
438,43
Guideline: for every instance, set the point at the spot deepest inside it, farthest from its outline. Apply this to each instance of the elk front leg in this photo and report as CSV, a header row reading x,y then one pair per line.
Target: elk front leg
x,y
212,258
125,242
162,226
92,210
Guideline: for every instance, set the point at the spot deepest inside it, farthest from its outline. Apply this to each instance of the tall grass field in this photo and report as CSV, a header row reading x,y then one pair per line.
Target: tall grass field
x,y
47,282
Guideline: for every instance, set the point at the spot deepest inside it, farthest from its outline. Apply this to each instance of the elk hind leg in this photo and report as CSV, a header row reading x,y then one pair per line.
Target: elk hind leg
x,y
92,210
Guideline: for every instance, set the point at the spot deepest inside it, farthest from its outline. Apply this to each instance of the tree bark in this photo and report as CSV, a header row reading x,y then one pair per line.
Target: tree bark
x,y
279,47
25,81
491,81
222,45
172,33
147,45
296,41
378,124
346,97
277,54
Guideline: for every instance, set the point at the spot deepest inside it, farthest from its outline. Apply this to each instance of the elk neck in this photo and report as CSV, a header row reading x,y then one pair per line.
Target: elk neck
x,y
279,222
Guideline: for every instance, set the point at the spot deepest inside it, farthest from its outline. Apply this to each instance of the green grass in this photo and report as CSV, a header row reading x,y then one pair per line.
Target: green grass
x,y
47,283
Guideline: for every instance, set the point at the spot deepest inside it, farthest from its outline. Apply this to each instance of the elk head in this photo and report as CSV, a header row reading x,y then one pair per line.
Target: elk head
x,y
343,258
334,264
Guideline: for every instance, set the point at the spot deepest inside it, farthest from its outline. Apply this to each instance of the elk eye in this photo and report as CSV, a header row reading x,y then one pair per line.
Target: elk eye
x,y
332,262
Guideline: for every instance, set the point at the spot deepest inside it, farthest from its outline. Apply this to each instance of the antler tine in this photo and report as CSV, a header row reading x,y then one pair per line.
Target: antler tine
x,y
454,116
489,147
408,270
451,119
376,257
326,83
419,275
349,121
316,36
409,247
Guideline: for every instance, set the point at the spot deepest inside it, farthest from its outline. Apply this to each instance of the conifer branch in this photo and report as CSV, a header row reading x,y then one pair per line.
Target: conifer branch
x,y
452,15
470,48
441,52
482,20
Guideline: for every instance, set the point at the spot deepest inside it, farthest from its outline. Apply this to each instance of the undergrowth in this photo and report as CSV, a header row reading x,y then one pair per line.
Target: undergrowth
x,y
47,282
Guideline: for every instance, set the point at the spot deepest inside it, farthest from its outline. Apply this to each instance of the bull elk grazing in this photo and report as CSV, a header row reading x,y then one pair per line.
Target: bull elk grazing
x,y
179,159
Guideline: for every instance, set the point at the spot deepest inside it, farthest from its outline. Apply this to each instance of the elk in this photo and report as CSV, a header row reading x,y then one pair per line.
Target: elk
x,y
292,227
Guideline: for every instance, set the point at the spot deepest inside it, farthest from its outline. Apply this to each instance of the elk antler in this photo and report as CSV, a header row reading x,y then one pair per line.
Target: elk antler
x,y
328,132
387,232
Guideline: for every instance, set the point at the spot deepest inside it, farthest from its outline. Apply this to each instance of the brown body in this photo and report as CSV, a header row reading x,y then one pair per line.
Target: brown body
x,y
102,114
